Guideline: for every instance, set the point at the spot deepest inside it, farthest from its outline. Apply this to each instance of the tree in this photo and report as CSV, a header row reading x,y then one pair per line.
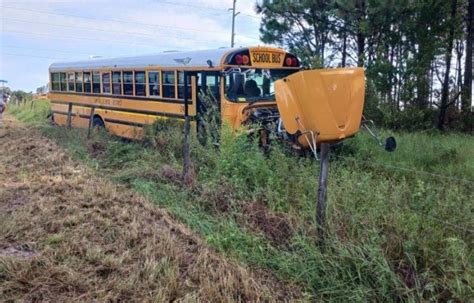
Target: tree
x,y
19,96
303,26
5,90
467,86
406,47
445,103
42,89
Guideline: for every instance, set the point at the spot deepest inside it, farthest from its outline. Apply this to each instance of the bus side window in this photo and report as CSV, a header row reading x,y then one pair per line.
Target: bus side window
x,y
87,82
128,83
181,86
168,84
140,83
116,83
154,83
96,83
63,82
79,82
106,83
70,82
55,81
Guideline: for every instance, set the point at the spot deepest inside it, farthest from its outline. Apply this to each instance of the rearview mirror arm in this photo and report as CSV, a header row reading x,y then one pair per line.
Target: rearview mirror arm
x,y
365,125
390,143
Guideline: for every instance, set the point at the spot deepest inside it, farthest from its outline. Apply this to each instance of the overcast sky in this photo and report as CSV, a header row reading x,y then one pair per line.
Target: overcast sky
x,y
35,33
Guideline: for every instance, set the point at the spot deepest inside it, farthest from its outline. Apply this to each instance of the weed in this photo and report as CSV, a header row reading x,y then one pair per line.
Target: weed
x,y
399,224
81,238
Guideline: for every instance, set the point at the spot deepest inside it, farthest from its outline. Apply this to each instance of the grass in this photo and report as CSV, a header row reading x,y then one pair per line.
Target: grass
x,y
68,235
32,112
400,225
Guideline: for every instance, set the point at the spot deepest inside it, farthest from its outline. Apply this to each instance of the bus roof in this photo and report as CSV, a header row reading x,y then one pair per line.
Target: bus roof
x,y
167,59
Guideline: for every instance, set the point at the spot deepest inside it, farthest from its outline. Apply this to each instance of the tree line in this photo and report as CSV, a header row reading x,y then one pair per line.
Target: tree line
x,y
15,96
417,53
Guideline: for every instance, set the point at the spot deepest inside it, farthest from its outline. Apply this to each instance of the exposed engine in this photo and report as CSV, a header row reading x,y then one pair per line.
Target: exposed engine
x,y
264,115
269,125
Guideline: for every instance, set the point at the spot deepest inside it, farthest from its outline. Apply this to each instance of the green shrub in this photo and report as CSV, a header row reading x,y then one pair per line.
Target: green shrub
x,y
400,224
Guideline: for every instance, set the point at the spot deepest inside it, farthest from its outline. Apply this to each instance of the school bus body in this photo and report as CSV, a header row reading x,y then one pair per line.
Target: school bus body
x,y
122,117
125,115
126,94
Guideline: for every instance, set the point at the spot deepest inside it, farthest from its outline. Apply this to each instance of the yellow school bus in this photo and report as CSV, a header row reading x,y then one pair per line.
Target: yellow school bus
x,y
130,92
260,84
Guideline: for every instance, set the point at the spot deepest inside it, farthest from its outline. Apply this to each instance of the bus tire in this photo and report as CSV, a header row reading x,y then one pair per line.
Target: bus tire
x,y
50,118
98,123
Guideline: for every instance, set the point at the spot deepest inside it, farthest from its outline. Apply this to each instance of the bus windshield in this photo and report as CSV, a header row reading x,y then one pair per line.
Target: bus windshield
x,y
251,85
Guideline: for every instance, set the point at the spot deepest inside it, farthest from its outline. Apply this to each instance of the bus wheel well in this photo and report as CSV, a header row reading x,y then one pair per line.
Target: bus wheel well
x,y
50,118
97,121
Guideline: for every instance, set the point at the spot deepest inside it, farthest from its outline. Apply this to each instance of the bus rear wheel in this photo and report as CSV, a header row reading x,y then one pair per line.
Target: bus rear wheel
x,y
98,124
50,118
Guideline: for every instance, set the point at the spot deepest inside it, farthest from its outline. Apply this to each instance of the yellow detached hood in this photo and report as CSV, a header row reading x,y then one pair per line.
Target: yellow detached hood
x,y
327,102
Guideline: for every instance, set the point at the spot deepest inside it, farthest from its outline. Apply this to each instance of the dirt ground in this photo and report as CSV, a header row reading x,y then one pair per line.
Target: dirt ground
x,y
68,235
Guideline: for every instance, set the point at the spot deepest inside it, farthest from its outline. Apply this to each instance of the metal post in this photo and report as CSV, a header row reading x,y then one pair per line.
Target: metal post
x,y
322,189
69,114
91,118
234,14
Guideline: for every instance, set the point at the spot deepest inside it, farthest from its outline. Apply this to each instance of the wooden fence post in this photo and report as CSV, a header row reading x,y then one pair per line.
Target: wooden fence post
x,y
91,118
69,115
186,132
322,189
186,148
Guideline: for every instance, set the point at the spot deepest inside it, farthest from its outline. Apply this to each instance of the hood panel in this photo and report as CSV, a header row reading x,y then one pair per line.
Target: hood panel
x,y
326,101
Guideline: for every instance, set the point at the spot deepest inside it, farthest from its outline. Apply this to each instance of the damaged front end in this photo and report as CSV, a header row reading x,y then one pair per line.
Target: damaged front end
x,y
321,105
312,107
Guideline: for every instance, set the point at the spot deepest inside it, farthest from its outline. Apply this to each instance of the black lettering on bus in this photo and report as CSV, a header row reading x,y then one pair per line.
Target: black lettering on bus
x,y
266,58
275,58
255,58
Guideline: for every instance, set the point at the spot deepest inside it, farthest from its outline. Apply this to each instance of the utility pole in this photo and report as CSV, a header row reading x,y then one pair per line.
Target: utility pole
x,y
234,14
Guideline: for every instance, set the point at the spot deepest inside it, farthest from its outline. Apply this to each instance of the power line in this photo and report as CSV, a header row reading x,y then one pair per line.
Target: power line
x,y
203,7
112,20
56,50
252,16
45,49
79,38
29,56
104,30
119,21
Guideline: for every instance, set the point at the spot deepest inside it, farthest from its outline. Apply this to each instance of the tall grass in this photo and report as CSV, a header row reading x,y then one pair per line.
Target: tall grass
x,y
400,225
32,112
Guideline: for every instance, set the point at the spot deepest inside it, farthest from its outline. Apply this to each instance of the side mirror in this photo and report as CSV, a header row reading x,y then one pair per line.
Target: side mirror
x,y
390,144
